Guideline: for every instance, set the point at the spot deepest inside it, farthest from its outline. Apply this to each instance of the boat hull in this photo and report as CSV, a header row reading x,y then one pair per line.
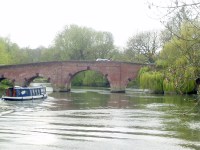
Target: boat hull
x,y
24,98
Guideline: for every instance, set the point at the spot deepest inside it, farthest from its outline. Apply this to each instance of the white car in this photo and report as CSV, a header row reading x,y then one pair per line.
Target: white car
x,y
100,59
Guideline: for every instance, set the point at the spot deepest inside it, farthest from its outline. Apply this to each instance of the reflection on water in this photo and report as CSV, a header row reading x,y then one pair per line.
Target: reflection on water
x,y
97,119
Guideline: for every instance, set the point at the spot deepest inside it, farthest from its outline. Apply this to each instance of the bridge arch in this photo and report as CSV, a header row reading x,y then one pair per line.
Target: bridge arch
x,y
27,81
71,76
8,81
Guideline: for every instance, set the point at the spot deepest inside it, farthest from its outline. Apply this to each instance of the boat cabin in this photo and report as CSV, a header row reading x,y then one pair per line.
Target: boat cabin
x,y
25,93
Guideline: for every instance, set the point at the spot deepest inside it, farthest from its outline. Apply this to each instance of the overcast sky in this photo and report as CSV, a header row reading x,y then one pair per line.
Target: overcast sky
x,y
34,23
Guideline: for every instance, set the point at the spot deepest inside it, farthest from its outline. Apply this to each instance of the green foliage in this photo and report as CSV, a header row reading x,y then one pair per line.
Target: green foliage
x,y
133,84
81,43
162,64
168,55
186,88
143,70
168,87
10,53
189,87
186,45
90,78
179,75
179,60
180,79
102,45
40,80
152,80
5,57
78,79
4,84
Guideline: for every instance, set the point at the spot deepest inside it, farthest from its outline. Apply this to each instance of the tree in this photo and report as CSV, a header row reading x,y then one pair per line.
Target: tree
x,y
73,43
180,59
51,54
102,46
143,47
180,55
82,43
173,14
4,58
15,54
168,8
7,51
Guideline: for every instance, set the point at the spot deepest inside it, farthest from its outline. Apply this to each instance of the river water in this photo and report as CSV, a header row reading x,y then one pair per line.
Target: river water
x,y
95,119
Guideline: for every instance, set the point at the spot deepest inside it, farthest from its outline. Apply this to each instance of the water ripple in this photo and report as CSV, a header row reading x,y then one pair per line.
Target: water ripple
x,y
90,123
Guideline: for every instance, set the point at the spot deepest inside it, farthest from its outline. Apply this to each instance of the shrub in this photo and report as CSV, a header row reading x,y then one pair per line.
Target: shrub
x,y
152,81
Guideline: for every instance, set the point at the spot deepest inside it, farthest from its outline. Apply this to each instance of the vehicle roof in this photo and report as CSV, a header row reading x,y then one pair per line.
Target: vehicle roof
x,y
31,87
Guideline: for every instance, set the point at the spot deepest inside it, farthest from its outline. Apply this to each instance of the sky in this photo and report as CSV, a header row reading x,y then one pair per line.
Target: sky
x,y
35,23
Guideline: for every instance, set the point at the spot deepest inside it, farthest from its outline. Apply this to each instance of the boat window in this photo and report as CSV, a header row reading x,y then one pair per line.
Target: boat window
x,y
25,92
39,92
33,92
17,92
36,92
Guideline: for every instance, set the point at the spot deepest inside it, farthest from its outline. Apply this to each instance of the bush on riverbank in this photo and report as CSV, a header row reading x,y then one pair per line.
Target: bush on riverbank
x,y
152,80
159,82
5,84
90,78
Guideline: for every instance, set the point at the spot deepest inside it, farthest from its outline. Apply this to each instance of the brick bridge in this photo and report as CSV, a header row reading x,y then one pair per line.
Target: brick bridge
x,y
60,74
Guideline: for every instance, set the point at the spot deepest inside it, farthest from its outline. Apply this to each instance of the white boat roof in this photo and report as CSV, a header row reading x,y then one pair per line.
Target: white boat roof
x,y
30,87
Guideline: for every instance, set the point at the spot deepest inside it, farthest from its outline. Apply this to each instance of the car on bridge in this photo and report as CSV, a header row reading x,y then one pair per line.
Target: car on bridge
x,y
101,59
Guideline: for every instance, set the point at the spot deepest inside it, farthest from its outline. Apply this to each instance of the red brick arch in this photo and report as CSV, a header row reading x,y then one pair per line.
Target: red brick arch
x,y
73,74
60,74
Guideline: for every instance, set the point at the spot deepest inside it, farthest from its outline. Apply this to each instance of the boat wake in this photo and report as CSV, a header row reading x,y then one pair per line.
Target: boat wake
x,y
6,112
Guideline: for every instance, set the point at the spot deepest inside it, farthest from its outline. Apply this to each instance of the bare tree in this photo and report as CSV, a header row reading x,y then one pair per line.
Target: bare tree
x,y
143,47
174,13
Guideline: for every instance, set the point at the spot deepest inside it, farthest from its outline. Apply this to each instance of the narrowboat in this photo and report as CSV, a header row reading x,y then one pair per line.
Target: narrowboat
x,y
18,93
